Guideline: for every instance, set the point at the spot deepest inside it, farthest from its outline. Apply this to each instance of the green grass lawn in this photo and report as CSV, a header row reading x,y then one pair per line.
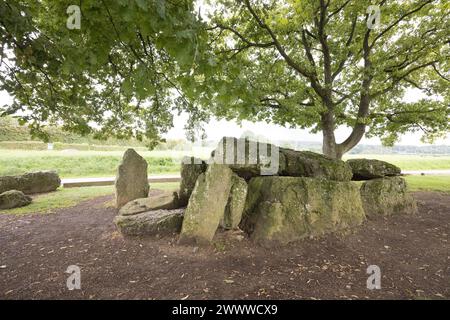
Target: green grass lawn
x,y
64,198
76,164
428,183
410,162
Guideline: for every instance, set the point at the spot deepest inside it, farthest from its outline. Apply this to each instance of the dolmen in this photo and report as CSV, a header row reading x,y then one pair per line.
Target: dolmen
x,y
275,195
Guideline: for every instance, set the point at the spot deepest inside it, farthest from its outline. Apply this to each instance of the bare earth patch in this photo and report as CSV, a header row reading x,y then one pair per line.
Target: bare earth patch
x,y
413,253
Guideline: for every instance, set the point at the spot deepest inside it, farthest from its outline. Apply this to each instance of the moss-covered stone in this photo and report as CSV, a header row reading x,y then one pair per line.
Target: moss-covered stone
x,y
191,168
252,159
387,196
159,222
286,209
248,158
236,203
206,205
32,182
310,164
131,179
365,169
13,199
165,201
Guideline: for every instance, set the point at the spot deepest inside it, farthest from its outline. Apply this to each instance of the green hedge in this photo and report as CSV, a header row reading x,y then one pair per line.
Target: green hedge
x,y
37,145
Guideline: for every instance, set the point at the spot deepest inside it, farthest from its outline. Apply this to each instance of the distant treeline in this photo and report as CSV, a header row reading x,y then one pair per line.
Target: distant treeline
x,y
15,136
11,130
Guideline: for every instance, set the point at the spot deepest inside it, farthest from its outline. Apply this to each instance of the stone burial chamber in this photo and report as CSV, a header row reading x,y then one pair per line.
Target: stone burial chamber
x,y
305,195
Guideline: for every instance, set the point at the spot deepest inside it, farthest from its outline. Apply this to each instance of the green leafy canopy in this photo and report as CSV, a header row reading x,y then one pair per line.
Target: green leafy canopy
x,y
298,63
315,63
119,75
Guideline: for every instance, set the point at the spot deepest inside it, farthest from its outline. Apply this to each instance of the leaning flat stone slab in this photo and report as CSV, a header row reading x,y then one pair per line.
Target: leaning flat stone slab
x,y
387,196
165,201
157,222
236,203
365,169
206,205
285,209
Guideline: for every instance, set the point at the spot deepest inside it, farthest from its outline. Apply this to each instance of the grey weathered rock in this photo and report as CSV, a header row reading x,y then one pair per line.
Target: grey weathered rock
x,y
206,205
387,196
191,168
251,159
365,169
32,182
155,222
131,180
285,209
13,199
248,158
314,165
165,201
236,203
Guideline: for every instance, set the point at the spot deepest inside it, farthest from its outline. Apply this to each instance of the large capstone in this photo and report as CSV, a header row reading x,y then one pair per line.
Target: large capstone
x,y
165,201
387,196
32,182
365,169
251,159
13,199
131,180
310,164
157,222
285,209
248,158
236,203
191,168
206,205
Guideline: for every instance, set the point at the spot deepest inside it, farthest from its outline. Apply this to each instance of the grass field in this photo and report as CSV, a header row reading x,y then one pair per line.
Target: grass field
x,y
76,164
410,162
64,198
428,183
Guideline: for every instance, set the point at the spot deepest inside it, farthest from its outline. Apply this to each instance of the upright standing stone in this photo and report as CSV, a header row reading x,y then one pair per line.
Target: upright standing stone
x,y
206,205
191,168
131,180
236,203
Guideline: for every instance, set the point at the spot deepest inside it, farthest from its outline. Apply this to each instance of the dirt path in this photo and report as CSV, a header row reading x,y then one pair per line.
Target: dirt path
x,y
35,250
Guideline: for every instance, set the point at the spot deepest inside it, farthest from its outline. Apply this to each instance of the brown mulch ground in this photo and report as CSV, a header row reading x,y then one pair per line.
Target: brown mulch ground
x,y
35,251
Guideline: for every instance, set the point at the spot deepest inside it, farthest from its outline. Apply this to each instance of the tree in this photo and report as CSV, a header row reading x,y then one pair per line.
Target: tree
x,y
323,64
120,74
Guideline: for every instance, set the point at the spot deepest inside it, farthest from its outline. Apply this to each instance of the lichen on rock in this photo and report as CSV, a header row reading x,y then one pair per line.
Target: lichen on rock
x,y
387,196
236,203
206,205
286,209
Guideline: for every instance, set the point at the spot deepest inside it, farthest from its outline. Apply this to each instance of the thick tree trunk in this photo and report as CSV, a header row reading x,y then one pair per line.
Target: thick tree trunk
x,y
329,146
